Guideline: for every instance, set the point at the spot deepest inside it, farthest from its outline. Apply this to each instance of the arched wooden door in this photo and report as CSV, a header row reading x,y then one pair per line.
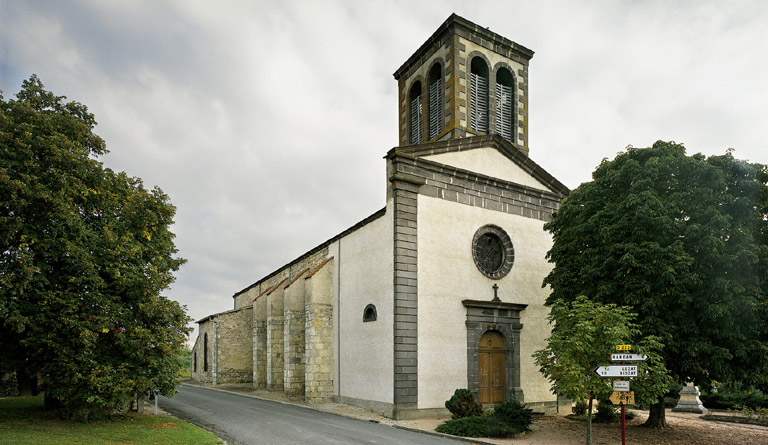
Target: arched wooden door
x,y
492,368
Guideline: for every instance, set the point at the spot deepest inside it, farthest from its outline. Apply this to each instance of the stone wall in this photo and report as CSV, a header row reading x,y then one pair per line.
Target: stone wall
x,y
260,343
275,344
281,276
318,371
229,354
234,362
206,370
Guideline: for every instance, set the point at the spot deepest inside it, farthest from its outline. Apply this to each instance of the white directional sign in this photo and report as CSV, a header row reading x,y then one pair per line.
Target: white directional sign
x,y
617,371
619,357
621,385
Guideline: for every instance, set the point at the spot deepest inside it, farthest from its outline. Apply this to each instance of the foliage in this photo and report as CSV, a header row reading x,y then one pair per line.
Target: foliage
x,y
185,362
673,389
750,413
24,421
606,412
512,420
683,241
463,404
515,414
583,338
472,426
9,386
84,254
580,408
497,427
752,400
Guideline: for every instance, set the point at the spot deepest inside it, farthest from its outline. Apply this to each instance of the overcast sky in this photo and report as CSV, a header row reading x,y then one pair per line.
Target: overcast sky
x,y
266,121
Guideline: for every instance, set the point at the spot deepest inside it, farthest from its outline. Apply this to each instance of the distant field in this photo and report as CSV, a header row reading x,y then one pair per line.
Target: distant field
x,y
23,421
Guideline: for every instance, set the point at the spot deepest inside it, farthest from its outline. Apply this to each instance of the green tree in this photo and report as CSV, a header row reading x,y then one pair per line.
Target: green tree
x,y
585,334
682,240
84,255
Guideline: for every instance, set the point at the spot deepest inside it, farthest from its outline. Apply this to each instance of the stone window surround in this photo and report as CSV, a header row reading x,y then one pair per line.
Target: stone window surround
x,y
504,318
508,251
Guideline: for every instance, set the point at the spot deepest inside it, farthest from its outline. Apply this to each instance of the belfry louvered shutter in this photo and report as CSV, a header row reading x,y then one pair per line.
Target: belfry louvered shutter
x,y
435,108
504,111
416,120
479,103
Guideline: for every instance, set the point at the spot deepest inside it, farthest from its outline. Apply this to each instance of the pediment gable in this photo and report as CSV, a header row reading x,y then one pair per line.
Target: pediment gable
x,y
489,156
490,162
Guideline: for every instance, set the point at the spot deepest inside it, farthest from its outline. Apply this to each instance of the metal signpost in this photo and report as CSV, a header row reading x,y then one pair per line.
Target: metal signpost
x,y
616,371
621,393
620,385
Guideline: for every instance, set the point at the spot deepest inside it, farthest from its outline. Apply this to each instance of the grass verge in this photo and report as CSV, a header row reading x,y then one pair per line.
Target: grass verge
x,y
24,421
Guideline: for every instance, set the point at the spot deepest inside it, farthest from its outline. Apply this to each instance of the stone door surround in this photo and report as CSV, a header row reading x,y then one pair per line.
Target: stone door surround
x,y
504,318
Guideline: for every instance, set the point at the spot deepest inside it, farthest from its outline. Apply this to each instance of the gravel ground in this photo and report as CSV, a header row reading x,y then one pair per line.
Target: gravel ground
x,y
686,428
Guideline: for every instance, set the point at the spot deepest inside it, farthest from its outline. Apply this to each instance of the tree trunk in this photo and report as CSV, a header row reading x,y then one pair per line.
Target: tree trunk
x,y
49,402
657,416
589,422
27,383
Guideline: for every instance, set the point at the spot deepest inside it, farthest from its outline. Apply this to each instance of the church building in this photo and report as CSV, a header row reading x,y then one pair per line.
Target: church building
x,y
441,288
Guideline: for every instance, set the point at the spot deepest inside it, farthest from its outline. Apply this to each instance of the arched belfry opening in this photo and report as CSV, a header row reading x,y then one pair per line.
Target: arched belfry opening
x,y
435,101
414,98
505,87
478,81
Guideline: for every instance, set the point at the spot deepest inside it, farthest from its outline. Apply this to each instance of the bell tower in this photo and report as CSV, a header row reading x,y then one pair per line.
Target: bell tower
x,y
465,80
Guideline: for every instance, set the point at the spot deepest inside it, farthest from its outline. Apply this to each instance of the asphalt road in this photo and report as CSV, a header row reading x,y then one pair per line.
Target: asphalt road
x,y
246,420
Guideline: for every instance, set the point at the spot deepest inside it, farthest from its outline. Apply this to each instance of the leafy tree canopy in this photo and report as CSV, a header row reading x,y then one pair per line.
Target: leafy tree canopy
x,y
85,253
585,334
683,241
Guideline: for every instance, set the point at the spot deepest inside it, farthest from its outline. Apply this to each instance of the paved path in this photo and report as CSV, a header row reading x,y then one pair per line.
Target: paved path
x,y
246,420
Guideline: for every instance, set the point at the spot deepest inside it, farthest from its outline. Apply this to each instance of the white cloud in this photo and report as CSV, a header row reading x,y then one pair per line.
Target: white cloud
x,y
266,122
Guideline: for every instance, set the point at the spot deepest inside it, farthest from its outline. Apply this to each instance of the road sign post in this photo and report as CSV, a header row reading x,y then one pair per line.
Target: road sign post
x,y
621,385
621,393
624,357
616,371
623,397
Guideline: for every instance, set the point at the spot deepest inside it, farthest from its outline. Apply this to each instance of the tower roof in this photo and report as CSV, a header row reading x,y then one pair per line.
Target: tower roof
x,y
471,31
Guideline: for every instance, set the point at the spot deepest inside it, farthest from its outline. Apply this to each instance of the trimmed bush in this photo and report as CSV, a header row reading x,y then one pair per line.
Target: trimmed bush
x,y
463,404
474,426
580,408
515,414
505,420
731,401
479,426
606,412
497,427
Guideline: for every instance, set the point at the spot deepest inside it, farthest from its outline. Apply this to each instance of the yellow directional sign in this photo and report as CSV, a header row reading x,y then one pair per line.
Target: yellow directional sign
x,y
627,398
623,347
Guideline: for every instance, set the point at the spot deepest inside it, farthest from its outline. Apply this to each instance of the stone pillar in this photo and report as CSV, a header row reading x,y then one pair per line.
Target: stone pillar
x,y
689,400
293,337
319,370
319,353
275,348
260,343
